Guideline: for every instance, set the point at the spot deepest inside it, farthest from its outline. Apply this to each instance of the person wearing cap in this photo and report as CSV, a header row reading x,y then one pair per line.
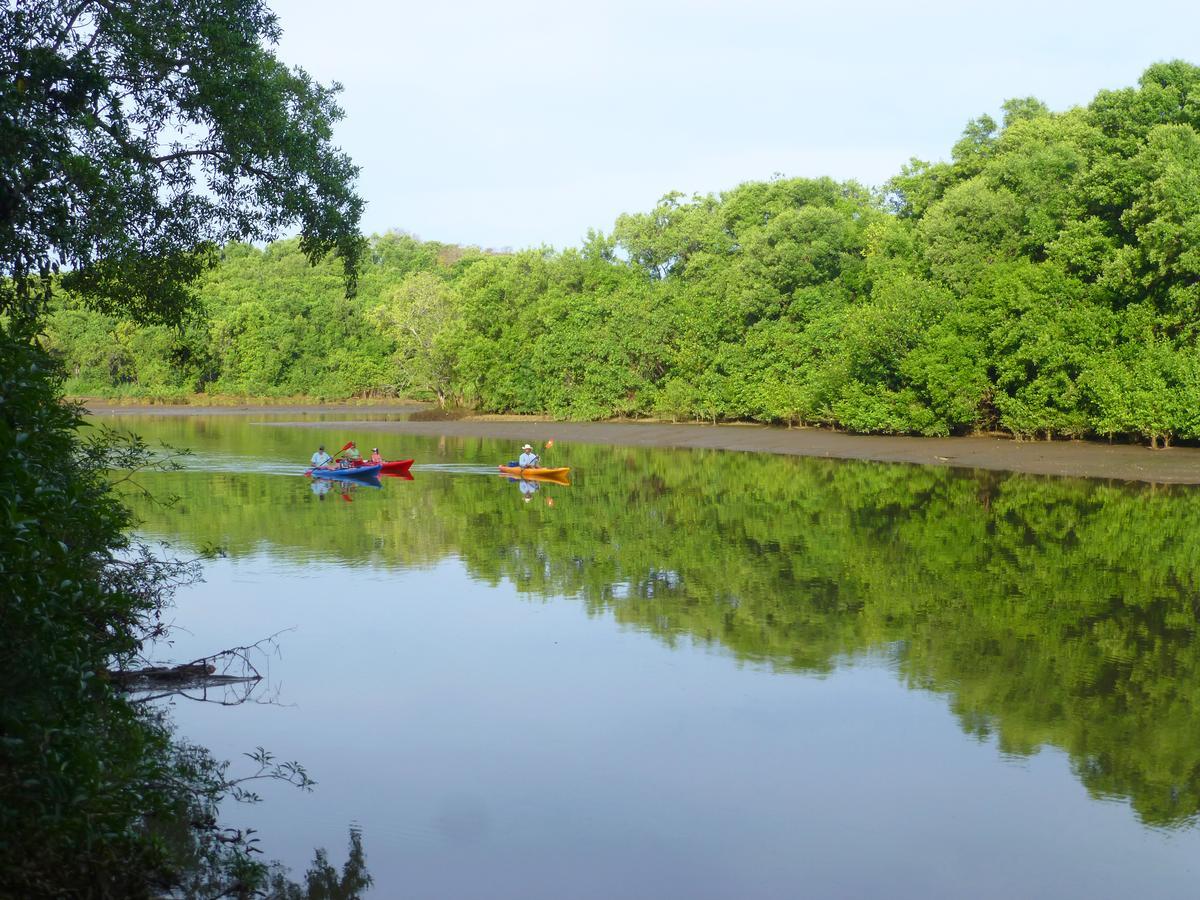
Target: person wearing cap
x,y
321,459
528,457
376,459
352,454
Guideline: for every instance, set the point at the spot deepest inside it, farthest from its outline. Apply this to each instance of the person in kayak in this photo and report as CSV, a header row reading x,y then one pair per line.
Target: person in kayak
x,y
376,459
320,459
527,458
352,453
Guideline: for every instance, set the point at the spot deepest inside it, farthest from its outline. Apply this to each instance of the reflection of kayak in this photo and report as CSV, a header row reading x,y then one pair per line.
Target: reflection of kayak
x,y
345,486
389,467
364,472
534,473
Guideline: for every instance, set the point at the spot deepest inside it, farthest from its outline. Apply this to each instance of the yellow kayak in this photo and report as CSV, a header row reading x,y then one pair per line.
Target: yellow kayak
x,y
534,473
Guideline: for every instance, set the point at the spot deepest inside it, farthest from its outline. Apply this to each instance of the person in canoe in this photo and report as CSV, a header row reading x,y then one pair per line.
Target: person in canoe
x,y
321,459
376,459
527,458
352,454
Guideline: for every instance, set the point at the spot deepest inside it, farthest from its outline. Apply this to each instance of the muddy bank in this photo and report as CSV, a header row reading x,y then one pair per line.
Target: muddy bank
x,y
1123,462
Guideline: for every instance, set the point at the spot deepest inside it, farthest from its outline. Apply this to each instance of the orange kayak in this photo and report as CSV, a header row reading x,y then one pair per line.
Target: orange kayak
x,y
533,473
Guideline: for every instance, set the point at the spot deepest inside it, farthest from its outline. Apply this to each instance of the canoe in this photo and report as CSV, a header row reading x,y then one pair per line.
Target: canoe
x,y
536,472
388,467
353,472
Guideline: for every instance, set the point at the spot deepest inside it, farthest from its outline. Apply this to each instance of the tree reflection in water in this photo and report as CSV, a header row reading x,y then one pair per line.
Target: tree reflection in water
x,y
1050,612
322,881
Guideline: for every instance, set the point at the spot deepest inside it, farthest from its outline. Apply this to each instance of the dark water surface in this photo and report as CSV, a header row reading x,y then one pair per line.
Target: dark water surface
x,y
701,674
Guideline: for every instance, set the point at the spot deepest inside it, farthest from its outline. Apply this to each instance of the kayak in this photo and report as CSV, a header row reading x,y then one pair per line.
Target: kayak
x,y
388,467
533,472
353,472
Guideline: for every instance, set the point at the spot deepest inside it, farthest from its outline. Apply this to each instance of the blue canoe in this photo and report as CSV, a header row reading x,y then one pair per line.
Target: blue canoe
x,y
363,472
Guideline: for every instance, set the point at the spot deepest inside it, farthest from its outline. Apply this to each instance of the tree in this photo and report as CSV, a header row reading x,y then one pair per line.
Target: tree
x,y
420,316
139,135
135,135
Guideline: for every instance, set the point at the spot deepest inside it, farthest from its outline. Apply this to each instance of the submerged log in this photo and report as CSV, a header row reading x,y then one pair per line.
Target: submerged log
x,y
188,676
160,674
193,680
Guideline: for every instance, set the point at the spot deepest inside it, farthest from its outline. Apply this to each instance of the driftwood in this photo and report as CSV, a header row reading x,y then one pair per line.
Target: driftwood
x,y
188,675
232,670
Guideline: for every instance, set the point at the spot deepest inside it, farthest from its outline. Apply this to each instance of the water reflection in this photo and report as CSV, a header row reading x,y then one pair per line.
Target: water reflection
x,y
1049,612
529,487
343,487
322,881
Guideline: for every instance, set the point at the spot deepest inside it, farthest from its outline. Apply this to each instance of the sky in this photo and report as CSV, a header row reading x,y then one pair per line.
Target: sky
x,y
526,123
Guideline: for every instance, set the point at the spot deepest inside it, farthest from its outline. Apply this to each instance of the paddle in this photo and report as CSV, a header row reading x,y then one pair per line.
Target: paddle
x,y
335,456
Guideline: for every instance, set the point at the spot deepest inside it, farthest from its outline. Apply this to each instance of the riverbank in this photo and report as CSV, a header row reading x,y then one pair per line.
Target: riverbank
x,y
1124,462
1078,459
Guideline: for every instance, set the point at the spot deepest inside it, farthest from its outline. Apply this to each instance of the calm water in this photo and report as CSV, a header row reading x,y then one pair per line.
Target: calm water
x,y
701,674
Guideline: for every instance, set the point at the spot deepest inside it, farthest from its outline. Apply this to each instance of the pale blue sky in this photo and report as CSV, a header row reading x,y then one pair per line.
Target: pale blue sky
x,y
522,123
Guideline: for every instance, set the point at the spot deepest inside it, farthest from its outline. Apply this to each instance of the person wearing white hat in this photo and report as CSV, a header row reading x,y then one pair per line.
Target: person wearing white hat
x,y
528,457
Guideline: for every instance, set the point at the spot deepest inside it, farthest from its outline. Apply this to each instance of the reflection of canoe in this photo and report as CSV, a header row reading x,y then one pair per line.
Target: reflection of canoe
x,y
389,467
531,473
364,472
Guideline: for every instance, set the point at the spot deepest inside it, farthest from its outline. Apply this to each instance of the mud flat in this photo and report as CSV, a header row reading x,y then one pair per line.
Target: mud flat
x,y
1080,459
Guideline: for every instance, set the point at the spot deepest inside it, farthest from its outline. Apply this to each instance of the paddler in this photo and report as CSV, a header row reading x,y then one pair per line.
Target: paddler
x,y
352,453
528,457
320,459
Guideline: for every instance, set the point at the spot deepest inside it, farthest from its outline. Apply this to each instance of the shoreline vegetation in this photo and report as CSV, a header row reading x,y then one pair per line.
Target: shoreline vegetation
x,y
138,138
1042,283
1079,459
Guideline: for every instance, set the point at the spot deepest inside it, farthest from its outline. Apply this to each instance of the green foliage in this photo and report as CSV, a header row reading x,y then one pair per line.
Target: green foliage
x,y
421,315
136,139
98,797
139,137
1045,281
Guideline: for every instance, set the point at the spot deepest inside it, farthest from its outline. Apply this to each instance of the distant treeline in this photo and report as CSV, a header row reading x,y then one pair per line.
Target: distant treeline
x,y
1045,282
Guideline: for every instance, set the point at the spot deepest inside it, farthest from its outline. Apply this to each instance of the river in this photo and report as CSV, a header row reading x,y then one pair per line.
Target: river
x,y
693,673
